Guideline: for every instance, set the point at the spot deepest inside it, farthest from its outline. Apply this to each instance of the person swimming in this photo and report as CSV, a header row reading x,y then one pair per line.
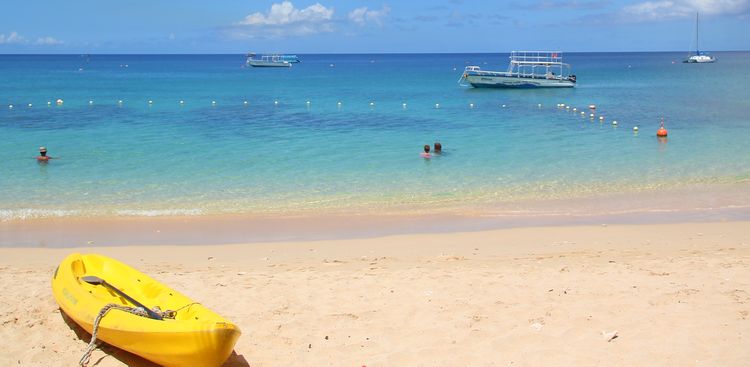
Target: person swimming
x,y
426,153
438,148
43,157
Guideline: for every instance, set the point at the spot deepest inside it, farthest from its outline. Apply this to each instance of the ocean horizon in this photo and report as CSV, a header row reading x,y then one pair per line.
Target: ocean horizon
x,y
350,53
342,133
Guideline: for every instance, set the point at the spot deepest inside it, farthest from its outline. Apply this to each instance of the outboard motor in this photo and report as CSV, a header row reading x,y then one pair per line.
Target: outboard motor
x,y
572,78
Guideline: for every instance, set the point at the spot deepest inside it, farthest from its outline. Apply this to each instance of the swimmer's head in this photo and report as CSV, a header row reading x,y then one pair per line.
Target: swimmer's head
x,y
42,151
426,148
438,147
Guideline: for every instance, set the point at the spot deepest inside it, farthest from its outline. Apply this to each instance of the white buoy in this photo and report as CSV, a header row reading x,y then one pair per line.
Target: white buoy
x,y
150,102
59,101
49,103
583,113
213,103
372,104
331,65
245,103
614,123
338,103
592,106
601,118
30,105
307,103
539,105
591,115
403,105
91,102
471,105
437,105
635,128
275,102
182,102
10,106
119,102
503,106
567,107
575,109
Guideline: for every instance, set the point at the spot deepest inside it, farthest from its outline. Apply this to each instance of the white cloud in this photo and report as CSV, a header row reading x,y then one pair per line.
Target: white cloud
x,y
358,15
667,9
286,13
364,15
49,41
283,19
13,37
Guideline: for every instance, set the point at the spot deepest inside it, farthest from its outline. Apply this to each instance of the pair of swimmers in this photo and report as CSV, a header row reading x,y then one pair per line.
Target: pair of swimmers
x,y
438,150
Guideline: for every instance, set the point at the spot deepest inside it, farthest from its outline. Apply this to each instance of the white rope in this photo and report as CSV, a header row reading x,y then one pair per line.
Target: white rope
x,y
93,343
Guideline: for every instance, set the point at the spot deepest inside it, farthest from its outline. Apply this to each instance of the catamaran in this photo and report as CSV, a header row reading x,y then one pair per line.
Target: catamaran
x,y
699,57
527,69
272,60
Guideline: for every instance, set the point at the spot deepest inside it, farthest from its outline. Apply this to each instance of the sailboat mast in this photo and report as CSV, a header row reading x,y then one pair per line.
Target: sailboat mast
x,y
697,48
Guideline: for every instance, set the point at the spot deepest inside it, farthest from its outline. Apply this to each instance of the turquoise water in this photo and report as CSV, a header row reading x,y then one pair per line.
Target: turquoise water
x,y
363,155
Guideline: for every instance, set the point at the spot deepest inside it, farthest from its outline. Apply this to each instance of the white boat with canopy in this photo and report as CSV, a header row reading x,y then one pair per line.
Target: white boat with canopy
x,y
527,69
272,60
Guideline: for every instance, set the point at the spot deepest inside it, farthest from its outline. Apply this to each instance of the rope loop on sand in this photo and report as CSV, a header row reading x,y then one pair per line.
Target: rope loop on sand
x,y
93,344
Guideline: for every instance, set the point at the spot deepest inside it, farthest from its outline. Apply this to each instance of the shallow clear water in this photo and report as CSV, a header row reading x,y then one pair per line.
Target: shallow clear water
x,y
164,158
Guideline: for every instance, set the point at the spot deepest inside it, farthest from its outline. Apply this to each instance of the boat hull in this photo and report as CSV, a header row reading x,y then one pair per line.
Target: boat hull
x,y
195,337
701,59
269,64
501,81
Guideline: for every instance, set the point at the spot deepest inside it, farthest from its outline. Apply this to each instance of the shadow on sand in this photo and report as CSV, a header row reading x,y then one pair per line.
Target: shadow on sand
x,y
130,359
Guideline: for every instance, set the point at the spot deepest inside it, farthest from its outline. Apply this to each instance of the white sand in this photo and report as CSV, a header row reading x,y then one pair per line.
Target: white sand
x,y
677,295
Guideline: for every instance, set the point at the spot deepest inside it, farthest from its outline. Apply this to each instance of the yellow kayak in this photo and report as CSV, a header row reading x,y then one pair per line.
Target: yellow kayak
x,y
189,335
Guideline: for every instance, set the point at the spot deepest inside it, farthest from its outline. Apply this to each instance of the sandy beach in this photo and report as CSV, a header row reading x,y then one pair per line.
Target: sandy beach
x,y
675,294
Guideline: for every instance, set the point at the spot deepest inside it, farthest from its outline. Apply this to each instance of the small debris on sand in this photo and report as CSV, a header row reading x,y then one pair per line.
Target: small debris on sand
x,y
609,336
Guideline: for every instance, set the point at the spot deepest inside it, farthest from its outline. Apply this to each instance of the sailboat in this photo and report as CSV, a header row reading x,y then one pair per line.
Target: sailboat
x,y
699,57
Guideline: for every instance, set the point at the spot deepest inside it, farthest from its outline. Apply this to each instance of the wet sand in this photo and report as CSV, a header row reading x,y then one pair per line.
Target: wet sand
x,y
690,203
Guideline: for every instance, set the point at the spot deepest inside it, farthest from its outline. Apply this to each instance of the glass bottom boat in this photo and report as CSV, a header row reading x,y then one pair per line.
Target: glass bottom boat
x,y
527,69
273,60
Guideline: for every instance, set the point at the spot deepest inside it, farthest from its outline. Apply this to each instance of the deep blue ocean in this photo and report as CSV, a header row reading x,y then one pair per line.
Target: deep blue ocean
x,y
279,154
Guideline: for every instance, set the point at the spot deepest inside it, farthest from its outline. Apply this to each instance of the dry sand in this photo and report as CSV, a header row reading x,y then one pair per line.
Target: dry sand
x,y
677,295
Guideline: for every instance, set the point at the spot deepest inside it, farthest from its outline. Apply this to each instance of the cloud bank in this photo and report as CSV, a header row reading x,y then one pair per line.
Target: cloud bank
x,y
49,41
12,38
675,9
16,39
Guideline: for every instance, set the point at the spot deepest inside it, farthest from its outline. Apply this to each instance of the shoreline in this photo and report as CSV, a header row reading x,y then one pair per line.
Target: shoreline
x,y
588,201
677,294
218,230
713,203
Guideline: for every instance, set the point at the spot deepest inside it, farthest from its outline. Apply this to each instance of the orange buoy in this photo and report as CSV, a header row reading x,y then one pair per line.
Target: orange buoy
x,y
662,132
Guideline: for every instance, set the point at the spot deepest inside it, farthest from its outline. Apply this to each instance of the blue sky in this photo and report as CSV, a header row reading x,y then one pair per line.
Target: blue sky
x,y
337,26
